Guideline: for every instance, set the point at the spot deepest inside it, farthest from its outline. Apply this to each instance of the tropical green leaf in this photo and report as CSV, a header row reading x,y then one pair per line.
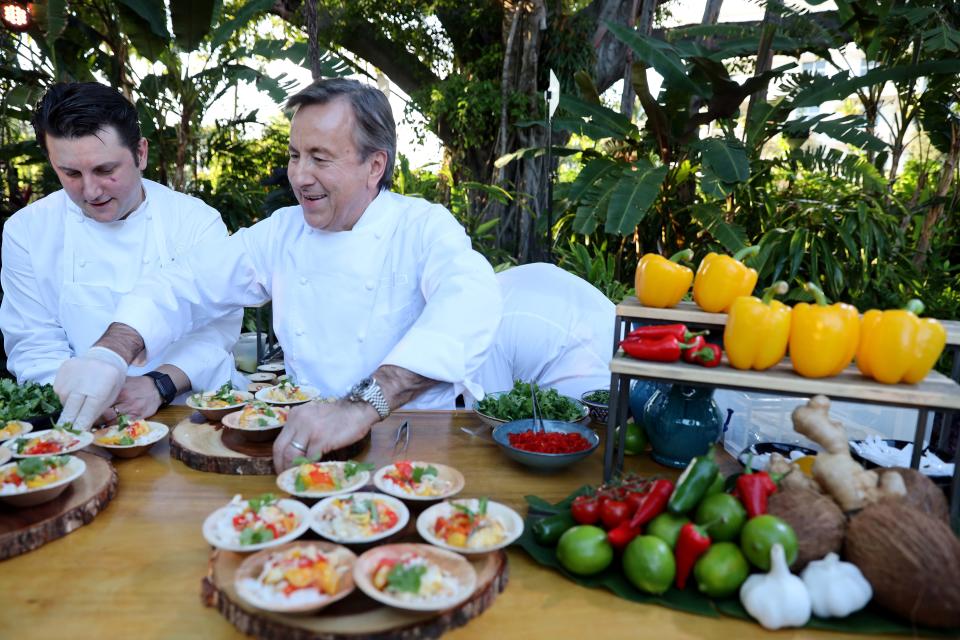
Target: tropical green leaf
x,y
841,85
141,33
192,20
660,55
56,21
636,190
712,186
727,159
595,118
594,171
733,237
152,12
247,12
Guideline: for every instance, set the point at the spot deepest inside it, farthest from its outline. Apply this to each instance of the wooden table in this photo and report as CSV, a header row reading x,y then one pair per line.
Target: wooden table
x,y
135,571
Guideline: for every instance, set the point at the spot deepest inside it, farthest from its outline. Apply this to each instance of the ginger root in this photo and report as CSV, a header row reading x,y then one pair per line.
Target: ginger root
x,y
791,475
838,474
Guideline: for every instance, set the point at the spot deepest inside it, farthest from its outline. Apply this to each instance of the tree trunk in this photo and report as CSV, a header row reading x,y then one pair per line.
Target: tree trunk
x,y
771,22
932,218
313,46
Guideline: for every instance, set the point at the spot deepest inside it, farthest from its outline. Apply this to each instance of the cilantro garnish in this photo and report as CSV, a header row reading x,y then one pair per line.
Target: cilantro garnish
x,y
406,579
299,484
419,472
261,501
126,441
255,536
516,404
351,468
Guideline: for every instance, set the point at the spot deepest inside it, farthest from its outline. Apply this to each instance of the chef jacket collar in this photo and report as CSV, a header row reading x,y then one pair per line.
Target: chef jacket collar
x,y
376,215
77,211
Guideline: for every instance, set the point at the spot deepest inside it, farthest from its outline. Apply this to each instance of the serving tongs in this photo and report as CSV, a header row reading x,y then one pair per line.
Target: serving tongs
x,y
402,441
537,416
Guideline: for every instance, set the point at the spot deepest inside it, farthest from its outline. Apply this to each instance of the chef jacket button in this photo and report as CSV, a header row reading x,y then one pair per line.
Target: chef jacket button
x,y
149,216
83,263
300,332
360,336
378,235
369,285
303,281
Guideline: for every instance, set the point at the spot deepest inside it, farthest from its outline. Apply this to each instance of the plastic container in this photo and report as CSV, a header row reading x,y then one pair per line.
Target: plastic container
x,y
245,352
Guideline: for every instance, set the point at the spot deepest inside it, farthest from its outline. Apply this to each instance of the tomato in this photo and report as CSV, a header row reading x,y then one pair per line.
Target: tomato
x,y
613,512
389,519
634,499
404,468
585,510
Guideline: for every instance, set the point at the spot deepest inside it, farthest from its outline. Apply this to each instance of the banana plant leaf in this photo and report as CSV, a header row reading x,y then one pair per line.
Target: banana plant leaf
x,y
867,621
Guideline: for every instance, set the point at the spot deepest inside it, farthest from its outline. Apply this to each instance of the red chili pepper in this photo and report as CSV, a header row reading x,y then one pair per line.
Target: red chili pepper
x,y
635,499
657,331
585,510
613,512
666,349
692,543
655,503
709,355
753,489
693,345
621,535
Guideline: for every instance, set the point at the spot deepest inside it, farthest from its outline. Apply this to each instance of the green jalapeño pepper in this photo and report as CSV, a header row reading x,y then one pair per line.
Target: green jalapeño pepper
x,y
693,483
547,531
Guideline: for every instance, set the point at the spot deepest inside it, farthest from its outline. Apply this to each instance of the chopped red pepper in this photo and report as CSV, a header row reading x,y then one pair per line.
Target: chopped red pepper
x,y
655,503
709,355
553,442
657,331
666,349
692,543
753,489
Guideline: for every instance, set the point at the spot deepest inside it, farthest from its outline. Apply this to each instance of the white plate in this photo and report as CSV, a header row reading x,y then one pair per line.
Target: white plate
x,y
444,472
322,528
264,395
287,482
158,431
85,438
510,519
25,426
246,395
454,564
75,468
211,535
5,455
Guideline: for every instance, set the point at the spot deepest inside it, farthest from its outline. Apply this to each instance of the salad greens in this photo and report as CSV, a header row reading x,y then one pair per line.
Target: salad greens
x,y
470,513
31,467
406,579
516,404
256,536
29,400
418,472
261,501
600,396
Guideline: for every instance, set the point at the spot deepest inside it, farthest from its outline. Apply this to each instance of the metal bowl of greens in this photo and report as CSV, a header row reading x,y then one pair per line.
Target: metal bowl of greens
x,y
31,402
499,407
599,402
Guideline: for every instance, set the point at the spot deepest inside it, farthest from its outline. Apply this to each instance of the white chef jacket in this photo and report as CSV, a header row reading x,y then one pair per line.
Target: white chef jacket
x,y
556,330
403,288
63,274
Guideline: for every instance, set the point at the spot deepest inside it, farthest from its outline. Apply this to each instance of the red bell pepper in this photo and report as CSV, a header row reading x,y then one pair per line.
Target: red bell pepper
x,y
709,355
693,346
753,489
657,331
654,504
666,349
692,543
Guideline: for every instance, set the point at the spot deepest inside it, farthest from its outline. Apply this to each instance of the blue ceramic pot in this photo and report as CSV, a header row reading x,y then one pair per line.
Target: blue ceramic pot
x,y
640,393
682,423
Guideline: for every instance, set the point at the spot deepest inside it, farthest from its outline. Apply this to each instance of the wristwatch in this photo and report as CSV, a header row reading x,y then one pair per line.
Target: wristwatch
x,y
165,386
367,390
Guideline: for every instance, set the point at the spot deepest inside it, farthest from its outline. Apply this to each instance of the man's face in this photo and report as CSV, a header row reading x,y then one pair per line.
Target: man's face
x,y
332,184
99,173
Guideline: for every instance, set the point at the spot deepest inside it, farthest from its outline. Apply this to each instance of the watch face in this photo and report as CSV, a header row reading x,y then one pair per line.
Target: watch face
x,y
356,393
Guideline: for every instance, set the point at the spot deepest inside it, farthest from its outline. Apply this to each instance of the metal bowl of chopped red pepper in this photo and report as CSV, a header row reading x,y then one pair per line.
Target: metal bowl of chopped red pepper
x,y
558,445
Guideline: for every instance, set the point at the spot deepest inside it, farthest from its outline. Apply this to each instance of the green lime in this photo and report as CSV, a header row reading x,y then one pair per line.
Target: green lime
x,y
636,439
722,516
760,534
666,526
721,570
584,550
649,564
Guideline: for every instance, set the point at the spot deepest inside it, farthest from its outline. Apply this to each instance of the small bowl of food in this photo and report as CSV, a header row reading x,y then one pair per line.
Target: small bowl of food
x,y
49,442
257,422
297,577
358,518
14,428
214,405
415,480
559,444
416,577
310,479
128,439
33,481
287,393
258,523
500,407
758,455
598,401
470,526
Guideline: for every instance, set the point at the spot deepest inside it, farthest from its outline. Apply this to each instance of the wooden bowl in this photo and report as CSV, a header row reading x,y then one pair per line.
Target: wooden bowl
x,y
448,474
22,427
217,414
85,438
452,563
255,434
322,528
245,580
32,497
158,431
510,519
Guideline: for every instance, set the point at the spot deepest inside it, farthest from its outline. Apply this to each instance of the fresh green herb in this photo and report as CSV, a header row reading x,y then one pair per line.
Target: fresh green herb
x,y
123,421
262,422
67,426
225,393
419,472
374,512
516,404
29,400
299,484
21,444
126,441
351,468
470,513
483,506
261,501
256,536
600,396
299,460
405,579
32,467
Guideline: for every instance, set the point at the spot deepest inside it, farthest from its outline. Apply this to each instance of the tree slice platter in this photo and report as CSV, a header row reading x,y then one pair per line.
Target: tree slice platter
x,y
209,447
356,617
26,529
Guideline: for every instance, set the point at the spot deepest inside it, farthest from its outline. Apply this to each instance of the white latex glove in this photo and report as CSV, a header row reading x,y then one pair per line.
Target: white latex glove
x,y
89,384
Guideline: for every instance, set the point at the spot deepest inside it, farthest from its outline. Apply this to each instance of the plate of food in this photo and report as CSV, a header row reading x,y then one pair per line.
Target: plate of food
x,y
296,577
358,518
310,479
287,393
49,442
14,428
257,523
416,480
33,481
214,405
499,407
129,439
470,526
257,422
417,577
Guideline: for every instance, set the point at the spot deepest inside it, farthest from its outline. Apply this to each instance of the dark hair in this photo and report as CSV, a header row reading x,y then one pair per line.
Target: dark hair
x,y
78,109
375,130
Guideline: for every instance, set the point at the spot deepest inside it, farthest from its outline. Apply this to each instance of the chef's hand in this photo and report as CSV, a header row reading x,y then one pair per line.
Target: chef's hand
x,y
87,385
138,398
316,428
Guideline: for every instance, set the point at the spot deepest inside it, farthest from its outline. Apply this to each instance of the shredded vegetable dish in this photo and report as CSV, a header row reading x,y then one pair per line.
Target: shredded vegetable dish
x,y
32,473
412,577
417,479
469,528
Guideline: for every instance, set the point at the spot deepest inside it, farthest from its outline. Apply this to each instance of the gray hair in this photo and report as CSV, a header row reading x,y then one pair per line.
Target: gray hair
x,y
375,130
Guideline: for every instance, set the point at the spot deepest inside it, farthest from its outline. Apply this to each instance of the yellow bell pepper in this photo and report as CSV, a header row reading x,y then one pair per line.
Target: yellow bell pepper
x,y
897,346
823,339
757,330
721,279
663,283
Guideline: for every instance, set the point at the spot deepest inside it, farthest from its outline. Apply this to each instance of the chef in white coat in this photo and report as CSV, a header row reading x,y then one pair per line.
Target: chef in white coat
x,y
69,257
377,298
556,330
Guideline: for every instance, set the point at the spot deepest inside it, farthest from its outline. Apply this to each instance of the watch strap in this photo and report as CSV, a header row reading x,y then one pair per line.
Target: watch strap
x,y
165,386
368,390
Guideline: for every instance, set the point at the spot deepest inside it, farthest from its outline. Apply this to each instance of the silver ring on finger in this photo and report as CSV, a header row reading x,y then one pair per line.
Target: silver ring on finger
x,y
297,445
116,412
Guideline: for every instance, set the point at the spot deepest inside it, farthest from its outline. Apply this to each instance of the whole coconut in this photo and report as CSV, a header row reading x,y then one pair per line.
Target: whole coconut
x,y
922,493
911,560
817,520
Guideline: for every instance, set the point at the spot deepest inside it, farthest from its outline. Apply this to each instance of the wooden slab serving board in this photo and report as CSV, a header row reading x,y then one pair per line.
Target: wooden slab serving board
x,y
203,446
356,617
25,529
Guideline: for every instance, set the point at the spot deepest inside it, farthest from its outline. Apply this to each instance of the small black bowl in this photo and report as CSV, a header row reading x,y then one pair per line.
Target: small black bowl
x,y
46,421
599,410
766,448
